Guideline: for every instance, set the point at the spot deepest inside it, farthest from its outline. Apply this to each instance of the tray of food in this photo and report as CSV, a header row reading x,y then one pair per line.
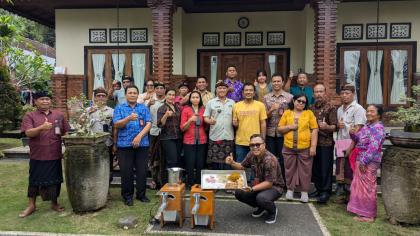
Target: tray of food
x,y
223,179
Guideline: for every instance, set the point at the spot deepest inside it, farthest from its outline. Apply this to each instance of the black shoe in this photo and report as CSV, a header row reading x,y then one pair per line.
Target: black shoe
x,y
258,213
323,198
314,194
271,218
143,199
128,202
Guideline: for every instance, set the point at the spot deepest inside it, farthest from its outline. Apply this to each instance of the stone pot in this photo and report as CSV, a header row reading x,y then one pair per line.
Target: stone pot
x,y
400,138
86,168
401,182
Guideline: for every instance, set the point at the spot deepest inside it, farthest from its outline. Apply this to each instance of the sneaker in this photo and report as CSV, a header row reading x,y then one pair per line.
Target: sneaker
x,y
271,218
289,195
258,213
304,197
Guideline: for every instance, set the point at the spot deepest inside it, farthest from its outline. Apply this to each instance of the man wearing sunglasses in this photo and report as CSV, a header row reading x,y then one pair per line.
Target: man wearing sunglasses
x,y
268,180
101,115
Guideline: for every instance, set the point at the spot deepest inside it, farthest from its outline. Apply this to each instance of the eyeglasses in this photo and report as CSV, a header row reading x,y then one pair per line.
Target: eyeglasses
x,y
100,95
255,145
301,101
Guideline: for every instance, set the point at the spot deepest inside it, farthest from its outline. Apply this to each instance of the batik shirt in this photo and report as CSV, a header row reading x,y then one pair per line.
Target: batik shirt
x,y
369,140
236,95
272,122
326,112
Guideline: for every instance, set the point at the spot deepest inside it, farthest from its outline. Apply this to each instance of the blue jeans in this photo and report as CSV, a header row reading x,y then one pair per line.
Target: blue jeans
x,y
241,152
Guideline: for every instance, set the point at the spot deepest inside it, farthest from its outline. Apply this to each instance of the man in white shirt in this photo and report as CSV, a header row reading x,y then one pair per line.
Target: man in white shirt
x,y
350,115
218,115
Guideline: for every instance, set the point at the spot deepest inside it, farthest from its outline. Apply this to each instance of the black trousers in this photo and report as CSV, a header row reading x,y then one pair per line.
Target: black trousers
x,y
171,151
264,199
275,146
130,159
322,169
195,158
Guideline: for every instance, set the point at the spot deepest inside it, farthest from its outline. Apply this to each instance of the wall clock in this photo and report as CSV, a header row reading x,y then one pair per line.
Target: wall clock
x,y
243,22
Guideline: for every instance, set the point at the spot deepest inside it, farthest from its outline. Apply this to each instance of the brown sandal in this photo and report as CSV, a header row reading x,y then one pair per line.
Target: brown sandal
x,y
364,219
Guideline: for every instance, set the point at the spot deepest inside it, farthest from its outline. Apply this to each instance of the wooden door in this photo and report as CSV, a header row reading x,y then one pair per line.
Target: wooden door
x,y
252,63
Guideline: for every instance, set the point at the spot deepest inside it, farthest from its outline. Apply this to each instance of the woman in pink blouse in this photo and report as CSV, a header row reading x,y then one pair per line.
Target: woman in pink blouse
x,y
195,137
365,159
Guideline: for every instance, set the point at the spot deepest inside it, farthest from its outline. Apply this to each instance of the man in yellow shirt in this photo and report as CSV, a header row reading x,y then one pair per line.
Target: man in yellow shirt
x,y
249,118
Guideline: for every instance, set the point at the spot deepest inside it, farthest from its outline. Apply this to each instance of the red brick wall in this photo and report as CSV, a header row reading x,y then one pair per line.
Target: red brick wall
x,y
64,87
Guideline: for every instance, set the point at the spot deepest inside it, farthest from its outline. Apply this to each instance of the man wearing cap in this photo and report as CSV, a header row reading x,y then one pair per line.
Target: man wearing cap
x,y
101,116
44,127
218,115
119,95
182,94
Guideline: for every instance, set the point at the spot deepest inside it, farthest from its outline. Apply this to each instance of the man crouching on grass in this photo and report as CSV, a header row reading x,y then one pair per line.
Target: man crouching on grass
x,y
268,183
44,127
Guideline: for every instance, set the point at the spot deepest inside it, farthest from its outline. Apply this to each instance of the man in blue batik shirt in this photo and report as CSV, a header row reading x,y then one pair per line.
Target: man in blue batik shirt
x,y
133,123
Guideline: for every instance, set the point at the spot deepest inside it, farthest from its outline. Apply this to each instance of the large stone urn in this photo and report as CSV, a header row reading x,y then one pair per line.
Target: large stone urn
x,y
86,168
401,177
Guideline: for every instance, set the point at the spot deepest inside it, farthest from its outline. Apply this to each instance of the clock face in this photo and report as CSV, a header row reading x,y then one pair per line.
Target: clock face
x,y
243,22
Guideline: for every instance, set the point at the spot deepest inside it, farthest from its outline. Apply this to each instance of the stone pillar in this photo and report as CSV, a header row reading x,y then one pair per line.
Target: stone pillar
x,y
59,92
325,42
162,14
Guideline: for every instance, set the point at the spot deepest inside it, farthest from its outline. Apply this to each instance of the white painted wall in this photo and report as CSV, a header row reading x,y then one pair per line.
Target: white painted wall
x,y
72,30
72,33
365,12
293,22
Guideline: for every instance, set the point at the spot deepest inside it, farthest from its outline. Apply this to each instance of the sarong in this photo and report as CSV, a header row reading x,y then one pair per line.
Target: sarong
x,y
45,178
363,191
298,168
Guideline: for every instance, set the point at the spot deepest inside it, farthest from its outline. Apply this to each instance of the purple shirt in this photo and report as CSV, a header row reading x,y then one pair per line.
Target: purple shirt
x,y
47,145
369,140
236,95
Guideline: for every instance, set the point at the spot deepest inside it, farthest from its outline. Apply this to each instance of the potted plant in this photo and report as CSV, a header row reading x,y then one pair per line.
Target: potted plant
x,y
86,160
400,165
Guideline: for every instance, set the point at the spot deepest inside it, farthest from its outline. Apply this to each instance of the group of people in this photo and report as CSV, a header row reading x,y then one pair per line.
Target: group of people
x,y
283,133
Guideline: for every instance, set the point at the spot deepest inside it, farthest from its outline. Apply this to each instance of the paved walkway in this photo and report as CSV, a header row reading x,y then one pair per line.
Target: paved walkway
x,y
234,218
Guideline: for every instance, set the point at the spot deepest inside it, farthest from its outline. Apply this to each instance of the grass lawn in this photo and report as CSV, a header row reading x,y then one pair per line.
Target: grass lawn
x,y
6,143
13,183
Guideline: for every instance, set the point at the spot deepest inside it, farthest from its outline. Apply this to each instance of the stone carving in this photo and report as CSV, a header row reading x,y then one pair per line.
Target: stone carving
x,y
351,32
118,35
400,30
253,38
138,35
374,31
275,38
97,36
232,39
401,184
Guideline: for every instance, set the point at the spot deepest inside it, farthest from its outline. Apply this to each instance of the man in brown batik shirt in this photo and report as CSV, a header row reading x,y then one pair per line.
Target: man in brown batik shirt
x,y
268,182
322,168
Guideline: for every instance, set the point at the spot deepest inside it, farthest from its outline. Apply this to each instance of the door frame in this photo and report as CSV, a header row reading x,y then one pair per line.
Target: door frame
x,y
242,51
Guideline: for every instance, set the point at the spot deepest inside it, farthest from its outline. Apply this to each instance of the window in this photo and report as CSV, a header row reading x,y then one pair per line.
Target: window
x,y
382,74
105,64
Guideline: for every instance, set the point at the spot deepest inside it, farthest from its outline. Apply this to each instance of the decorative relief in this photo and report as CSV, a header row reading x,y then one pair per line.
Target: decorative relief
x,y
352,32
232,39
374,31
400,30
276,38
118,35
138,35
253,38
97,36
211,39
